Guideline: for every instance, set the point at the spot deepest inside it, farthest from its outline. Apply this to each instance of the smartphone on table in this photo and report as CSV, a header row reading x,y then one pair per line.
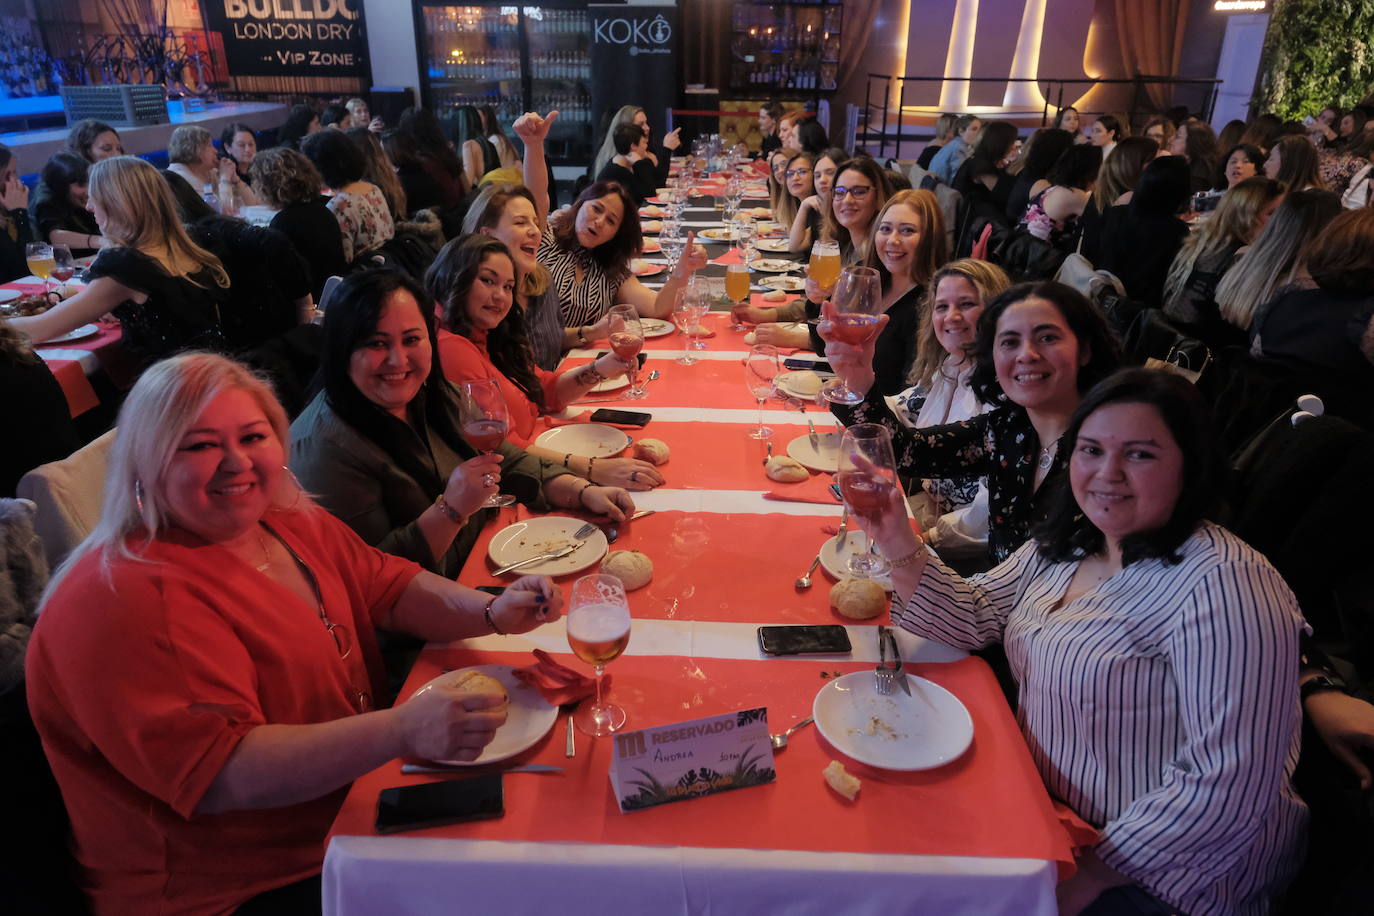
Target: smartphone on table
x,y
455,801
827,639
621,417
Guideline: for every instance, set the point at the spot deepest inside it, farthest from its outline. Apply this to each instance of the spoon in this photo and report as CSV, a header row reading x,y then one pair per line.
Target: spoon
x,y
805,581
780,741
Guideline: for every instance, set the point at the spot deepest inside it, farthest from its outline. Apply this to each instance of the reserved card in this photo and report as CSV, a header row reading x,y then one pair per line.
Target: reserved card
x,y
685,760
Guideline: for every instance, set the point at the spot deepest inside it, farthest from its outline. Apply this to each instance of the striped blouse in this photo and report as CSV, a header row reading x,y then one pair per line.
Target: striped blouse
x,y
579,302
1161,706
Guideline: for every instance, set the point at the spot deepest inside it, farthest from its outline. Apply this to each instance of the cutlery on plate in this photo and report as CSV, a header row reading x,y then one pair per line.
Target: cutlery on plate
x,y
804,581
551,555
898,676
882,674
571,749
812,436
843,534
780,741
449,768
835,488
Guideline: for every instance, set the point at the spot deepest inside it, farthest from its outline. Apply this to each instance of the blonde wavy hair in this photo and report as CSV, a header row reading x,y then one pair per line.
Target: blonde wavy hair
x,y
1233,224
167,399
988,279
933,249
485,213
140,213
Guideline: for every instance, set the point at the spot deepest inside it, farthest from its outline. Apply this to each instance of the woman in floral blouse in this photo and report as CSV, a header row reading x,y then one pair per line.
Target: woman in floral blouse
x,y
1039,347
359,206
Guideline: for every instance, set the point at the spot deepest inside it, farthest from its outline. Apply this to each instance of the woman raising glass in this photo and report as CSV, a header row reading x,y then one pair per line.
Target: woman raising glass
x,y
1156,656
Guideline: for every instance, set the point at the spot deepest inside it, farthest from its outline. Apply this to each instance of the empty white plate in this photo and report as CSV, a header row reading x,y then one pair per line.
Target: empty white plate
x,y
590,440
928,729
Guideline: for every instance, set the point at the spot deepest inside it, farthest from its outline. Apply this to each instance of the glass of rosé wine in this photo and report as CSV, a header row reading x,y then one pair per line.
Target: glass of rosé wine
x,y
867,476
485,423
627,339
858,302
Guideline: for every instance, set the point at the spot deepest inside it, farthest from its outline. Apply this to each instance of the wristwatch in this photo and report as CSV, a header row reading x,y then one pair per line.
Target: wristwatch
x,y
1321,684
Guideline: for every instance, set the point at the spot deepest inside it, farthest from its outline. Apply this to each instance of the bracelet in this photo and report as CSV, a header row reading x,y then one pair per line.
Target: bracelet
x,y
577,499
486,615
88,241
596,373
566,456
448,511
909,558
582,334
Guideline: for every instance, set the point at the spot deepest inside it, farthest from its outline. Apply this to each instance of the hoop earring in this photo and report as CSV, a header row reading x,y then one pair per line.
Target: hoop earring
x,y
300,490
138,496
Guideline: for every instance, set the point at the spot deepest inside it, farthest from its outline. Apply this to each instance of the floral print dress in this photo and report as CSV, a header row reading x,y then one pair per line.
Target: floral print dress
x,y
364,220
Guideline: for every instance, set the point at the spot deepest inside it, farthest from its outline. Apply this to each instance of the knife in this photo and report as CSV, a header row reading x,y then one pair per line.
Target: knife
x,y
552,555
442,768
812,435
843,534
902,680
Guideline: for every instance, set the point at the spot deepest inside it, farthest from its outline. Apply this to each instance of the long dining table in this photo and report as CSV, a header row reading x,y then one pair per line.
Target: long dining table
x,y
978,835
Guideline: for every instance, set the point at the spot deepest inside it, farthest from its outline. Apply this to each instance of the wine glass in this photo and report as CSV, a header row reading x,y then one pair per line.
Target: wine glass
x,y
858,302
670,239
744,240
867,474
760,371
627,339
598,631
40,261
64,265
687,314
485,424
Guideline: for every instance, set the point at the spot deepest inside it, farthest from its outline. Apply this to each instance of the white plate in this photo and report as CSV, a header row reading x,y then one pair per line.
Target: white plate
x,y
651,225
787,386
528,717
790,284
642,268
827,458
775,245
755,195
650,246
543,535
615,383
717,235
836,561
590,440
81,333
652,212
774,265
928,729
9,295
656,327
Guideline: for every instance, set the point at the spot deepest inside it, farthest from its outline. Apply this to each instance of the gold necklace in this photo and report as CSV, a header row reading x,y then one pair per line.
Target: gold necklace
x,y
266,553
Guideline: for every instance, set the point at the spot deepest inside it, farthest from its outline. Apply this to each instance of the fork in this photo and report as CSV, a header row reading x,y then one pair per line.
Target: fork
x,y
899,677
581,534
770,452
883,676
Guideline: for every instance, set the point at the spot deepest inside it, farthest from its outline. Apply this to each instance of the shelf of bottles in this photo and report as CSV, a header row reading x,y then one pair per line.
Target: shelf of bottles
x,y
560,76
782,47
474,59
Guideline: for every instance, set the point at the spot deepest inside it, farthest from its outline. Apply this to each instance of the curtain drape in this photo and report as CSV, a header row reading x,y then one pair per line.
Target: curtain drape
x,y
1151,36
855,28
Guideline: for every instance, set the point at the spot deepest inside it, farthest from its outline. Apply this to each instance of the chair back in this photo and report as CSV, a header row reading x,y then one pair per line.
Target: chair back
x,y
69,494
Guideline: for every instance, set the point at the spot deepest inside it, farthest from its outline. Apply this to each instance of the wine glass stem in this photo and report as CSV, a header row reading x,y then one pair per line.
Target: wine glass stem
x,y
761,402
600,670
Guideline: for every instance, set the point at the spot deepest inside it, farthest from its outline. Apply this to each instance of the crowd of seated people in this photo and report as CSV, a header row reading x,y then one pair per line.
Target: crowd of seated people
x,y
1077,493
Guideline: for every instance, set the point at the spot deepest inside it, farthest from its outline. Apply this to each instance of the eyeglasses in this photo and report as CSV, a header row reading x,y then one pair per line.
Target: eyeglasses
x,y
859,192
797,173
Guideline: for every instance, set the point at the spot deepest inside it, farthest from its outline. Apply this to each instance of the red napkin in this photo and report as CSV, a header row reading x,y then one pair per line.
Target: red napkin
x,y
583,417
733,256
815,489
557,682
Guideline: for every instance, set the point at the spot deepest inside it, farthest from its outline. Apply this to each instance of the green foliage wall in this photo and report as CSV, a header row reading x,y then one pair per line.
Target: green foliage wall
x,y
1317,53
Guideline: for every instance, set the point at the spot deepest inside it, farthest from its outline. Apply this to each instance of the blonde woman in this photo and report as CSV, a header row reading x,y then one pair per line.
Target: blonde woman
x,y
944,132
633,114
1208,253
952,511
1277,259
166,291
780,200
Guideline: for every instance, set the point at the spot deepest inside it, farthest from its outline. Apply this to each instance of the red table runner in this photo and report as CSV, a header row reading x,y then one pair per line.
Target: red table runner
x,y
990,802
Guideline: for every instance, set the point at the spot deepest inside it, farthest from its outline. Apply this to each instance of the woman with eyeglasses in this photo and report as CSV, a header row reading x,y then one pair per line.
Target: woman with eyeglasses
x,y
206,723
806,225
797,185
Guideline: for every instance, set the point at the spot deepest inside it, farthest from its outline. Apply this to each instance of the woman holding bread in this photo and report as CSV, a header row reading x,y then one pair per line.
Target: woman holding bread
x,y
1039,347
380,445
1156,655
205,723
473,280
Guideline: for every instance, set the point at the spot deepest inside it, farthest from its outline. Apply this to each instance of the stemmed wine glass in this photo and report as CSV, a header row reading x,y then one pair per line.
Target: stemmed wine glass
x,y
687,314
627,339
867,475
39,257
671,241
64,265
598,631
760,371
485,424
857,300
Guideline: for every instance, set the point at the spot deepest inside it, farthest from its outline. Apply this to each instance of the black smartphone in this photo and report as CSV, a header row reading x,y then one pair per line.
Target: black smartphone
x,y
480,798
828,639
804,362
621,417
642,357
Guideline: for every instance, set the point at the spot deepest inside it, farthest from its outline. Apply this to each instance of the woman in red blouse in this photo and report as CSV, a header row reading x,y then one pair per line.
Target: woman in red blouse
x,y
474,280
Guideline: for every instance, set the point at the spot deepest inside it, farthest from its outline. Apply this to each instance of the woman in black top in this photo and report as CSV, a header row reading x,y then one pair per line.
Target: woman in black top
x,y
15,229
239,145
464,130
34,413
58,205
421,190
301,121
1140,239
983,178
167,292
1042,151
288,181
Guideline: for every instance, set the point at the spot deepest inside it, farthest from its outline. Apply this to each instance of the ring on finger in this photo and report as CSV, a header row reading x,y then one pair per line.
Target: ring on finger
x,y
634,475
488,480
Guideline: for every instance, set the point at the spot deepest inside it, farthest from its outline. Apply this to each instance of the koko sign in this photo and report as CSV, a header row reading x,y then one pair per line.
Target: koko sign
x,y
634,60
290,37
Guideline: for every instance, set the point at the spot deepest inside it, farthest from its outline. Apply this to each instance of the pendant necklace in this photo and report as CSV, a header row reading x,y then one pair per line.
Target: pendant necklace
x,y
1047,455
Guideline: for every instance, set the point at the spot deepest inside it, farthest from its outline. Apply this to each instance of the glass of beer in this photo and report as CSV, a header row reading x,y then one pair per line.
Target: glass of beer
x,y
825,263
737,287
598,631
40,261
857,300
867,476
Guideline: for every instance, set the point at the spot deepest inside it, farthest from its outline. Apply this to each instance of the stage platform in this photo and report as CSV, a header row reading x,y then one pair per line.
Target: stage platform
x,y
34,147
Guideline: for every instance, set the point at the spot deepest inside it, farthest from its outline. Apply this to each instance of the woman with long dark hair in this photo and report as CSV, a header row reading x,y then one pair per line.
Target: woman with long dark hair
x,y
436,156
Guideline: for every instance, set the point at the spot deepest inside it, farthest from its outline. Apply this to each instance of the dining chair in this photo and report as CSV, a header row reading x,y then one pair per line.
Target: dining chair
x,y
68,494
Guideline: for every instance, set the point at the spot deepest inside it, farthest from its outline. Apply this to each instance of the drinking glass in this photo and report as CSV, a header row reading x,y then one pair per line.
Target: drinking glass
x,y
671,240
40,260
744,240
857,301
867,475
627,339
760,371
485,424
737,288
824,266
64,265
687,314
598,631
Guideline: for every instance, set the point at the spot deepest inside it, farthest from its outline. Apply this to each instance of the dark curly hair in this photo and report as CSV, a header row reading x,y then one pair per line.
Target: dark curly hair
x,y
1083,318
1076,167
1066,534
283,176
614,255
449,281
339,160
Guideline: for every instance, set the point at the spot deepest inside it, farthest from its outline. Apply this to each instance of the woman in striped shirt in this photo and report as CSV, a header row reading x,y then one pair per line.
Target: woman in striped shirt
x,y
1156,655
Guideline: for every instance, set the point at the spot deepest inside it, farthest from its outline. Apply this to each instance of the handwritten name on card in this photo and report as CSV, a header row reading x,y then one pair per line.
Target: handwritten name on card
x,y
684,760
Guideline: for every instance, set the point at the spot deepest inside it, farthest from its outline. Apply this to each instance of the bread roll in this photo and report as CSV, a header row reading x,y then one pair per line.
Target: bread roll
x,y
841,780
631,567
805,382
751,338
775,295
654,451
786,470
858,599
477,682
